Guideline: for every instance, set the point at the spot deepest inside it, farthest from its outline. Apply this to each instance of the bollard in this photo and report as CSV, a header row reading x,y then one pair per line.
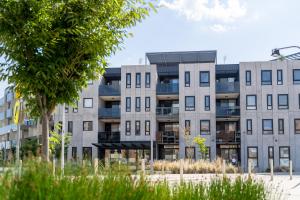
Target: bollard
x,y
271,169
224,168
181,170
96,166
291,170
53,167
143,167
249,168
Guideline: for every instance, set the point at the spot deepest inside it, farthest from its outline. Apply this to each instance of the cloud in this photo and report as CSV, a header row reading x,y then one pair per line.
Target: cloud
x,y
225,11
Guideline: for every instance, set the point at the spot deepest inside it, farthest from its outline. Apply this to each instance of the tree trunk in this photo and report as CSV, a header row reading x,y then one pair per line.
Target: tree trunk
x,y
45,137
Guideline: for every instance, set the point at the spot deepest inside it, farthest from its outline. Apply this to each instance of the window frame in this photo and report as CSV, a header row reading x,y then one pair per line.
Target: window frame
x,y
296,81
207,102
282,157
128,80
204,84
147,123
279,77
205,132
252,158
269,101
127,127
248,107
74,153
187,128
128,104
283,107
138,80
137,104
280,123
187,79
249,131
193,149
147,75
84,99
70,127
190,108
83,127
270,156
90,150
147,107
75,109
297,131
137,127
266,131
248,82
266,82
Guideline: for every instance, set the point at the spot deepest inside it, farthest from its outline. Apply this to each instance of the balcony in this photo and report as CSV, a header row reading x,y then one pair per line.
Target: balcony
x,y
167,137
228,111
109,113
109,90
167,88
228,87
228,137
8,129
167,113
108,137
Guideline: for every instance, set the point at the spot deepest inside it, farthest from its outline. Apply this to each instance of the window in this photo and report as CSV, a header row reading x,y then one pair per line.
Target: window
x,y
147,127
128,80
296,76
269,102
128,127
270,154
87,153
279,77
189,103
207,154
297,126
187,127
187,79
70,127
280,126
251,102
74,153
190,153
66,109
267,126
204,127
128,104
87,126
147,104
253,156
75,109
284,156
249,126
87,102
204,79
207,103
137,127
266,77
283,101
137,104
147,80
248,77
138,80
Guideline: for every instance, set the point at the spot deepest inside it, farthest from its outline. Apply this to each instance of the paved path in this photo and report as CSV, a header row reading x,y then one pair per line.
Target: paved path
x,y
281,186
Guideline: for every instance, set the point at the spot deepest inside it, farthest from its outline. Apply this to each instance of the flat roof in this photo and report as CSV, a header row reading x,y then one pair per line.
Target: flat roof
x,y
182,57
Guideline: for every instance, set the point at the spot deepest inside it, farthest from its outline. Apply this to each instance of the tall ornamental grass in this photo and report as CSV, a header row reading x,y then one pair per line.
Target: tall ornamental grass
x,y
37,182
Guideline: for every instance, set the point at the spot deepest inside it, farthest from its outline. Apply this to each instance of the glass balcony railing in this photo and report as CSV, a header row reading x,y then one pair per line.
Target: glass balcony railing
x,y
109,137
167,112
167,88
109,112
228,137
167,137
228,111
8,129
109,90
228,87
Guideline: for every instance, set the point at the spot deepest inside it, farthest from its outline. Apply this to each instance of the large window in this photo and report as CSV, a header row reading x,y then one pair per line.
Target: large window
x,y
296,76
190,153
87,153
266,77
87,102
280,126
204,127
269,102
297,126
251,102
270,154
189,103
128,127
267,126
147,127
187,80
207,103
128,80
138,80
74,153
249,126
128,104
253,156
70,127
147,104
283,101
284,156
137,104
204,78
147,80
187,124
248,77
75,108
87,125
137,127
279,77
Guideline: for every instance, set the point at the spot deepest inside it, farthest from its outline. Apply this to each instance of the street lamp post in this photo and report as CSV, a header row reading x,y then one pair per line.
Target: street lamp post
x,y
63,139
276,51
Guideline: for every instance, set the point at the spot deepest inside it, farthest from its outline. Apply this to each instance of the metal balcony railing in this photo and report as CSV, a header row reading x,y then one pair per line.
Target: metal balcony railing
x,y
108,137
167,88
228,137
228,111
167,137
109,90
109,112
228,87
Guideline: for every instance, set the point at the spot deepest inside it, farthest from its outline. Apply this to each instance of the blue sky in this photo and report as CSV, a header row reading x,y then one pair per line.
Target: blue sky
x,y
240,30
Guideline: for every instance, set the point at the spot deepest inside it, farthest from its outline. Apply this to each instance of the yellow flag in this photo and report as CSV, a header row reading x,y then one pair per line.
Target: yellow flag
x,y
16,112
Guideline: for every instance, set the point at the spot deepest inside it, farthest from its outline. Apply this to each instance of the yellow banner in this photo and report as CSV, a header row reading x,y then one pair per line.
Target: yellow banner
x,y
16,112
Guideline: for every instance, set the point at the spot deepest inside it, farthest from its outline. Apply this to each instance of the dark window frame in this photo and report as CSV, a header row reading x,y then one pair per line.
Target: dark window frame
x,y
187,126
70,127
296,81
75,109
249,129
248,82
205,132
282,107
281,129
279,77
207,103
269,101
147,122
128,80
187,79
147,107
297,131
137,127
266,131
147,76
128,105
138,80
269,82
90,150
127,127
202,83
83,102
249,107
190,108
74,153
191,148
282,157
88,126
255,157
137,102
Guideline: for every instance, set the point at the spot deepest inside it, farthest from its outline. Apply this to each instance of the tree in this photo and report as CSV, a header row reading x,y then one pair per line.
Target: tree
x,y
56,139
53,47
200,141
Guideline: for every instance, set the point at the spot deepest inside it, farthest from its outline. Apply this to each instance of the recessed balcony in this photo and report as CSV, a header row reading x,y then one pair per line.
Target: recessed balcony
x,y
227,89
110,92
167,89
167,114
109,114
167,137
108,137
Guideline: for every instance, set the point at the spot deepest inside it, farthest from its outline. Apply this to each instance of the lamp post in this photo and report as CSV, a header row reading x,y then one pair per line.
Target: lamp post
x,y
63,139
276,51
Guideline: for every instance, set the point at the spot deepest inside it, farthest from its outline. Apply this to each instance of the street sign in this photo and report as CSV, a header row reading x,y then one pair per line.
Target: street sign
x,y
16,112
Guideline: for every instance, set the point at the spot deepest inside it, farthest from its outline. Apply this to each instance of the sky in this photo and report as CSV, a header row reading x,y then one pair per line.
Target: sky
x,y
240,30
